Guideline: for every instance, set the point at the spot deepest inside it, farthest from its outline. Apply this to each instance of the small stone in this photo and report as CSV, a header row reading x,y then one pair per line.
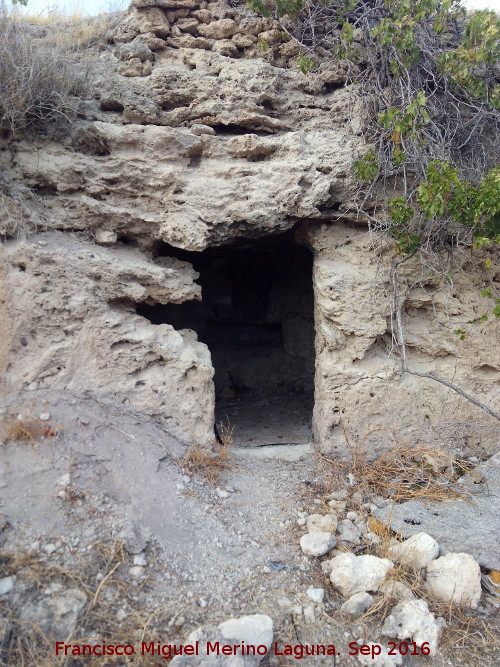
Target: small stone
x,y
121,614
6,585
266,570
337,505
136,571
49,548
411,619
180,486
256,629
140,560
352,516
202,602
221,493
415,552
297,610
355,574
105,237
348,532
455,577
397,590
324,523
357,498
338,495
352,479
357,604
44,416
309,616
64,480
301,522
316,594
199,129
317,543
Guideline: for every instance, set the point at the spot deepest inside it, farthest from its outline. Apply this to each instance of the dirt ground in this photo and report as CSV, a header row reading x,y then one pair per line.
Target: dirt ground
x,y
100,504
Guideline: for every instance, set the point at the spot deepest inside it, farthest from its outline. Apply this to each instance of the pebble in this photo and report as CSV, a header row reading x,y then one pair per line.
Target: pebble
x,y
317,543
316,594
140,560
136,571
6,585
44,416
309,615
221,493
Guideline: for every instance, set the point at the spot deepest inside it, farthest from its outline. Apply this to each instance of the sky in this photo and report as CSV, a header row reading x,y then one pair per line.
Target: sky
x,y
97,6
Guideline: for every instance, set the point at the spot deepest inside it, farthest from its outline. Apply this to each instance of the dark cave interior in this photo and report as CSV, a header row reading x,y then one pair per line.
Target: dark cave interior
x,y
257,319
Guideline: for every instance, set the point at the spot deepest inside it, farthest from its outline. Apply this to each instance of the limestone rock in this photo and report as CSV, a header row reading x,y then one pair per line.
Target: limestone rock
x,y
221,29
455,577
58,615
352,574
316,594
348,532
256,629
317,543
357,604
326,523
416,552
411,619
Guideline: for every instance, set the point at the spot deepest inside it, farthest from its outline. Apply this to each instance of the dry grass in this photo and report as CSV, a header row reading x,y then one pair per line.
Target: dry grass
x,y
26,428
406,472
210,464
24,643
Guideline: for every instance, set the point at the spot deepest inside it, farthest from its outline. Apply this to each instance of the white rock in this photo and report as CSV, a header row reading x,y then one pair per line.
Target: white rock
x,y
326,523
316,594
415,552
256,629
396,589
352,479
6,585
352,574
455,577
317,543
136,571
140,560
357,604
105,237
411,619
382,659
44,416
64,480
348,532
222,493
309,615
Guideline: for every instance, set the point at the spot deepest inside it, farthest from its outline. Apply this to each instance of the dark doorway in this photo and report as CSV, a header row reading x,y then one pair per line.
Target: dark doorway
x,y
257,318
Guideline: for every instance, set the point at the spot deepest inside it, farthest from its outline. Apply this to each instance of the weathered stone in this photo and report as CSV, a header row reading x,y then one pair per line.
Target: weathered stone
x,y
322,522
188,25
352,574
58,615
411,619
221,29
455,577
416,552
134,67
471,527
357,604
317,543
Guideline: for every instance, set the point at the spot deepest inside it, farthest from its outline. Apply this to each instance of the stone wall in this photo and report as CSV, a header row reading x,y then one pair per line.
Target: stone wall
x,y
196,137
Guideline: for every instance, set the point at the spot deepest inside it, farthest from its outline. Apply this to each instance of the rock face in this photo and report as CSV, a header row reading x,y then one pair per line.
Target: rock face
x,y
473,527
196,138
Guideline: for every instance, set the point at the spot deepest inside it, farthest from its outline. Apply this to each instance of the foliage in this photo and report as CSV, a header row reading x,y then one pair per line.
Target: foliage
x,y
41,82
431,72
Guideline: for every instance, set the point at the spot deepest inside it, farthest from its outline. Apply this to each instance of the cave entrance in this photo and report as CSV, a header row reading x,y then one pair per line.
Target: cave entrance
x,y
257,318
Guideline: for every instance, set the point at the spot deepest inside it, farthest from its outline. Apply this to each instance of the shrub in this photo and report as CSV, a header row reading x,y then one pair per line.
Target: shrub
x,y
41,79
